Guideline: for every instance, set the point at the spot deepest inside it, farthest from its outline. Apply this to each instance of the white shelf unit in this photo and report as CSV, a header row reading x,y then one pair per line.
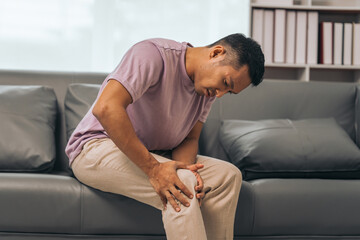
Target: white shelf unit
x,y
329,10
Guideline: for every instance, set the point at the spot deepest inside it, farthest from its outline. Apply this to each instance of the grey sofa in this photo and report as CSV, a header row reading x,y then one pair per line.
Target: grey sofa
x,y
45,201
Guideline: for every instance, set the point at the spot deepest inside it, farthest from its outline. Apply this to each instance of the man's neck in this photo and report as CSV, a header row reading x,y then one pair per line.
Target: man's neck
x,y
192,60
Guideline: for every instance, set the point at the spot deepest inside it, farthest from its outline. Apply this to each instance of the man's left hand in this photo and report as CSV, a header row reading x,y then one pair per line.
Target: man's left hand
x,y
200,183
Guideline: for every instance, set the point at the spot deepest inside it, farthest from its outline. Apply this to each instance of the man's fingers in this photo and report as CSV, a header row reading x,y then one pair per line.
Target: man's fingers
x,y
184,189
199,188
199,165
164,201
200,195
172,201
192,167
200,182
179,196
195,167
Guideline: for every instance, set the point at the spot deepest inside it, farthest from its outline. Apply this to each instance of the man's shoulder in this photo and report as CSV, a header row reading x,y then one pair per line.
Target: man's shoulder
x,y
145,50
163,43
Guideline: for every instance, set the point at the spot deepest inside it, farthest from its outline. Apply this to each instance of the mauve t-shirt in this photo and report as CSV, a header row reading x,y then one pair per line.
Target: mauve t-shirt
x,y
165,105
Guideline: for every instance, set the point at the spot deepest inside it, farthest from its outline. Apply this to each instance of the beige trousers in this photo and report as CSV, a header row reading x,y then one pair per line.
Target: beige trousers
x,y
103,166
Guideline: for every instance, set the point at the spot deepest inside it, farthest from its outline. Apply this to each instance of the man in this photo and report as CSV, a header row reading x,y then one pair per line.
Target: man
x,y
140,137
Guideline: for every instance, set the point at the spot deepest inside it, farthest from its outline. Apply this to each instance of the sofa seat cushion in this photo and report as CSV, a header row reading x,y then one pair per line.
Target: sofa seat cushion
x,y
47,203
28,118
303,207
41,203
290,148
108,213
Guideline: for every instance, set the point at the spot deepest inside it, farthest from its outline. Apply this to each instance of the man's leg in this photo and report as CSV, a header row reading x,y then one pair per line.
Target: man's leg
x,y
222,183
103,166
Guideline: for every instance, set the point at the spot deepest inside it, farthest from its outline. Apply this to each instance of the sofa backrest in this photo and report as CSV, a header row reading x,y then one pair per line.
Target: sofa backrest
x,y
279,100
271,99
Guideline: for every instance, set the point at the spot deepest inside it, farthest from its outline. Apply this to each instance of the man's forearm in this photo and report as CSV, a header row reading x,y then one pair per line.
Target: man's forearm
x,y
187,151
119,128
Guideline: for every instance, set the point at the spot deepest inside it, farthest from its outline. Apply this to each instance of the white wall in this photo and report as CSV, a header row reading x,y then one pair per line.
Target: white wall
x,y
93,35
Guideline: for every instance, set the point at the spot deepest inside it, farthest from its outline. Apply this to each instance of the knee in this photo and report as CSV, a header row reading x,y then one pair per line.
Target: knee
x,y
188,178
233,173
237,173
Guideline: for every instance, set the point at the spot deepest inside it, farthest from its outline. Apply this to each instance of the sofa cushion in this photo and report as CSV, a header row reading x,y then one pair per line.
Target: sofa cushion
x,y
78,100
278,99
49,203
39,203
28,118
286,148
303,209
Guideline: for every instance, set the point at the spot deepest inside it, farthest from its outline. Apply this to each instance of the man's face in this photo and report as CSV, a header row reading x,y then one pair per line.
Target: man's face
x,y
214,79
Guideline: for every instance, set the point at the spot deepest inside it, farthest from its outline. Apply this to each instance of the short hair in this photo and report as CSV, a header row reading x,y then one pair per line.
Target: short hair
x,y
246,51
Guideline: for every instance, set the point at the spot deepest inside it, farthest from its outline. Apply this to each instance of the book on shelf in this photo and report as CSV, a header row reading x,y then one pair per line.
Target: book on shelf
x,y
356,43
347,46
326,42
279,36
290,36
312,37
338,43
300,52
268,37
296,37
258,25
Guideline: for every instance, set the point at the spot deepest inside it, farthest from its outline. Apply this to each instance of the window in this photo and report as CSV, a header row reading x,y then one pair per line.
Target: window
x,y
93,35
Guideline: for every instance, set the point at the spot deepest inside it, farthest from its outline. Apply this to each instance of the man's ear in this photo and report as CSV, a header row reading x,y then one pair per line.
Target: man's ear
x,y
217,51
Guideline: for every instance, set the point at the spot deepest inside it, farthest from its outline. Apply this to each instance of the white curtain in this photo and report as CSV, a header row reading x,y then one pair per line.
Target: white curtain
x,y
93,35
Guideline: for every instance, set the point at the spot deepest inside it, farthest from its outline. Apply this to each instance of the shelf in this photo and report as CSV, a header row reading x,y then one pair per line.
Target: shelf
x,y
327,11
334,75
308,8
285,65
313,72
315,66
340,67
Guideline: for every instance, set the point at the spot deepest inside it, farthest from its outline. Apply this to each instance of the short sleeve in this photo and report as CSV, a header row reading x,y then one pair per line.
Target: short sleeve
x,y
140,68
206,110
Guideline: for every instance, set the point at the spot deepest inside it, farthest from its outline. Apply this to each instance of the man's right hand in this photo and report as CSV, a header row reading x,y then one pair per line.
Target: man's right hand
x,y
167,184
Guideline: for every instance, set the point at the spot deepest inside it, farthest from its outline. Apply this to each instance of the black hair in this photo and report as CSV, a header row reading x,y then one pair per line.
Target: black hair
x,y
246,51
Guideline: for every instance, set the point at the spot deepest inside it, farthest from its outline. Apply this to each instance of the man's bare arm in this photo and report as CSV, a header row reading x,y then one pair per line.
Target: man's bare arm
x,y
187,151
110,110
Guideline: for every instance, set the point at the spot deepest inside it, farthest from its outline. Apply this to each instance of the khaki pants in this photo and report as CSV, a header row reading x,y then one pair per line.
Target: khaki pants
x,y
103,166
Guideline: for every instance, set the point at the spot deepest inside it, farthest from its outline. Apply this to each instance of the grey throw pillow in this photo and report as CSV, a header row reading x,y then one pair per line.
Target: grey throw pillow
x,y
78,100
286,148
27,129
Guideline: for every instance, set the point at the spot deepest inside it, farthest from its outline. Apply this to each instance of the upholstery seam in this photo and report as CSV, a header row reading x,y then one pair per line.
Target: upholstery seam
x,y
357,140
300,138
81,208
254,209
